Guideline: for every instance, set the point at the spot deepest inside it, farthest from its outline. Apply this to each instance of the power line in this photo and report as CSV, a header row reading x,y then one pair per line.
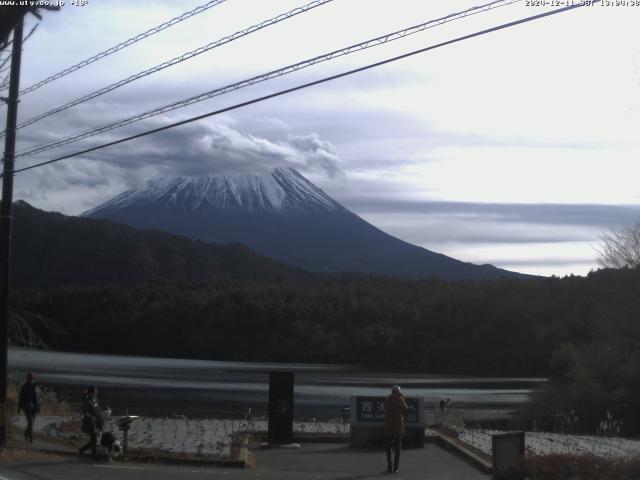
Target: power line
x,y
4,83
4,62
180,58
306,85
272,74
122,45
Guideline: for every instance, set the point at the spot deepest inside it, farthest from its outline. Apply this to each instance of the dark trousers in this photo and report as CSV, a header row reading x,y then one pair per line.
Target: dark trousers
x,y
91,444
28,433
393,443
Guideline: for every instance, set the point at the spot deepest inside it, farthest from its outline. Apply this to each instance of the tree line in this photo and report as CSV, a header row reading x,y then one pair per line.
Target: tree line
x,y
506,326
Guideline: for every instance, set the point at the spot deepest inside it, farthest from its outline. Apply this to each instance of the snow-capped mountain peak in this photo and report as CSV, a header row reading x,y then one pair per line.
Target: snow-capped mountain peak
x,y
282,190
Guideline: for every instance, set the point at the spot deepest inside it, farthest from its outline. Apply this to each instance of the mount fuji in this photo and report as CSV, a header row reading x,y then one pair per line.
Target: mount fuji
x,y
284,216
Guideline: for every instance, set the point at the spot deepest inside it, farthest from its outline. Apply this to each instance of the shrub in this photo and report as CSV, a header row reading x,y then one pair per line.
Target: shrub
x,y
596,388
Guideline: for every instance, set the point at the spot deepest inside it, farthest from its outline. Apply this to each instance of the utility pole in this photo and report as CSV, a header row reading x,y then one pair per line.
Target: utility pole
x,y
5,220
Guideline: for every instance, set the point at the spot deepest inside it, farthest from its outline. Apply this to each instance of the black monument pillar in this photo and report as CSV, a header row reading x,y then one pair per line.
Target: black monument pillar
x,y
280,407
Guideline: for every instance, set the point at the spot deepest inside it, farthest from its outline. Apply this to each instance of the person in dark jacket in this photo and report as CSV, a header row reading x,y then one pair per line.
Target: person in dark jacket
x,y
28,403
91,420
395,409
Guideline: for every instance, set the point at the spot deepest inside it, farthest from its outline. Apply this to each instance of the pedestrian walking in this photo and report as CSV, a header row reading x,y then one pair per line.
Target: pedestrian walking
x,y
395,409
28,403
442,406
91,420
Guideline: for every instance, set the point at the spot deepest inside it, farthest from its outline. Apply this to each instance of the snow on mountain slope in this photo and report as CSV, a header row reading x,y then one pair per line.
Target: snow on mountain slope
x,y
281,190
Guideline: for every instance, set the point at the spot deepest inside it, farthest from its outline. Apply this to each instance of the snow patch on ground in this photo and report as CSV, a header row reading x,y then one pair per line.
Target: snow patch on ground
x,y
542,443
326,428
198,436
182,435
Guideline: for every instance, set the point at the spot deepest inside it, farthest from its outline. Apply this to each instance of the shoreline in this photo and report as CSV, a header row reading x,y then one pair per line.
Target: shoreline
x,y
163,387
493,379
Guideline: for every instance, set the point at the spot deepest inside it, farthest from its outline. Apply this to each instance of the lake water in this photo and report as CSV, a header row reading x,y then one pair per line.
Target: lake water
x,y
201,388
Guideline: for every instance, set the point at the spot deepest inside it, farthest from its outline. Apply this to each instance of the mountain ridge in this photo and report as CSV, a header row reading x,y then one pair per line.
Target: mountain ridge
x,y
52,249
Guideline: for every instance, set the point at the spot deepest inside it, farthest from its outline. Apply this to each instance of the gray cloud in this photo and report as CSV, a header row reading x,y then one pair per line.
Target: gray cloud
x,y
591,215
544,261
445,231
319,153
70,187
213,147
203,148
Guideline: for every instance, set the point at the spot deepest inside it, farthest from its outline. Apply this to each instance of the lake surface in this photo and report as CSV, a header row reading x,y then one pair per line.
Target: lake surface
x,y
200,388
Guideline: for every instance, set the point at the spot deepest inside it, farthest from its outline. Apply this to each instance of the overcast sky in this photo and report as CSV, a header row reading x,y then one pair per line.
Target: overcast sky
x,y
518,148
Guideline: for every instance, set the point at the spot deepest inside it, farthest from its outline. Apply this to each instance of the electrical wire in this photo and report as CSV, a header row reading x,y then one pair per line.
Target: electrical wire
x,y
4,83
122,45
306,85
176,60
3,63
269,75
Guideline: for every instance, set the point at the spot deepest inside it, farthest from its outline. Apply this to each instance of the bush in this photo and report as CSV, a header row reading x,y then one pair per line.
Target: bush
x,y
596,388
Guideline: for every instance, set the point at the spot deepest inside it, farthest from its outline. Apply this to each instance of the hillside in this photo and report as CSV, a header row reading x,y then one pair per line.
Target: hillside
x,y
51,249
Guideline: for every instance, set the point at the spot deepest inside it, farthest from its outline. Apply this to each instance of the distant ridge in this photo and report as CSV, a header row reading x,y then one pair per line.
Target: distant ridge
x,y
51,249
282,215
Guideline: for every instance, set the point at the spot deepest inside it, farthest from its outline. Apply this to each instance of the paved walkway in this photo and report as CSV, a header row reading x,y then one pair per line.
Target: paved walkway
x,y
336,461
312,461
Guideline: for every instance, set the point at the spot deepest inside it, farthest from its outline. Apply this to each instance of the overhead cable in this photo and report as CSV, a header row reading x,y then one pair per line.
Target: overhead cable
x,y
272,74
126,43
306,85
180,58
3,62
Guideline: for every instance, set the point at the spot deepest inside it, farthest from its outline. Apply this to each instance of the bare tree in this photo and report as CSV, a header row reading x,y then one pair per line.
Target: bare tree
x,y
26,329
620,248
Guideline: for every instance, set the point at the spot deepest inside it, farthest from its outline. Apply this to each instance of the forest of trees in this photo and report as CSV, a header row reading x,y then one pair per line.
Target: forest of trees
x,y
508,326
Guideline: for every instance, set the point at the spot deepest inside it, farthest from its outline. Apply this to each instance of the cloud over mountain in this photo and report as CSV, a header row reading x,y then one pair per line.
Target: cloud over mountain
x,y
205,148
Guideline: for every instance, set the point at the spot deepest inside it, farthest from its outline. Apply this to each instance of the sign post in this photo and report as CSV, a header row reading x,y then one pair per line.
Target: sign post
x,y
508,452
280,408
124,425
